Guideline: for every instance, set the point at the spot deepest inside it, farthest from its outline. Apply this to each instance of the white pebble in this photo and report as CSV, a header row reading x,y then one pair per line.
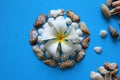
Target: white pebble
x,y
42,47
60,18
40,40
74,24
78,47
51,19
46,25
40,31
68,21
79,32
48,54
98,49
55,13
103,33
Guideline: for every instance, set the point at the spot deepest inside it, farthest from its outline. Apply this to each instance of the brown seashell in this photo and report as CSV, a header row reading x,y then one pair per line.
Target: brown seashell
x,y
114,72
115,77
102,70
84,28
66,64
38,52
80,55
115,10
108,2
96,76
116,3
111,66
85,42
108,76
40,20
50,62
74,17
105,10
113,32
33,37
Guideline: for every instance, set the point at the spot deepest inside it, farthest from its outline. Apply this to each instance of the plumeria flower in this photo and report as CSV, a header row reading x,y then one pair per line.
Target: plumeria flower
x,y
58,34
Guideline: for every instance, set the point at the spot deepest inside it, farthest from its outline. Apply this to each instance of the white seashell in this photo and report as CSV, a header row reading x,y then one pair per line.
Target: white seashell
x,y
73,54
74,24
64,57
46,25
60,18
102,70
48,54
103,33
55,13
96,76
68,21
78,47
79,32
40,31
51,19
40,40
98,49
57,57
42,47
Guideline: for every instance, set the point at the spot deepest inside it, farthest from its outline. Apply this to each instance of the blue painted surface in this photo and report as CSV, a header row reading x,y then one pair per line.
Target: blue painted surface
x,y
18,62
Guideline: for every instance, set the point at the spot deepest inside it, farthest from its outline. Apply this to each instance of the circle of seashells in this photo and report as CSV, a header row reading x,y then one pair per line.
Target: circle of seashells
x,y
59,18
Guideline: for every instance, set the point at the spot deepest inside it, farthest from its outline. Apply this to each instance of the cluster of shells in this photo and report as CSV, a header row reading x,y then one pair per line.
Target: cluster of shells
x,y
114,4
107,72
71,19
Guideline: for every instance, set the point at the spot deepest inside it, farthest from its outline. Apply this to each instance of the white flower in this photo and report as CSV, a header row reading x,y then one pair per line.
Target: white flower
x,y
59,34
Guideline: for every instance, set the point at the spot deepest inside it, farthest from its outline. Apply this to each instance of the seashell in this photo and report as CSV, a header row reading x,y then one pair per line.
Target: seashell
x,y
114,72
56,13
79,32
96,76
67,64
40,20
111,66
78,47
50,19
105,10
102,70
33,37
73,54
40,40
42,47
85,42
40,31
115,10
38,52
113,32
98,49
50,62
68,21
74,25
115,77
116,3
108,76
103,33
46,25
80,55
84,28
60,18
108,2
64,57
48,55
74,17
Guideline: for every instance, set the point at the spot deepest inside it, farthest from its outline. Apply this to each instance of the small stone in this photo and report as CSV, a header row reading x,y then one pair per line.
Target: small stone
x,y
79,32
68,21
98,49
103,33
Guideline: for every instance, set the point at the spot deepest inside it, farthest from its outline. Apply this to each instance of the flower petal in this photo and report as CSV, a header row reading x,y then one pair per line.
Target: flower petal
x,y
60,25
71,34
67,48
51,47
49,33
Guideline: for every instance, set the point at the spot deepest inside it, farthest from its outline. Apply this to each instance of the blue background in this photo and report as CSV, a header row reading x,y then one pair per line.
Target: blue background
x,y
17,60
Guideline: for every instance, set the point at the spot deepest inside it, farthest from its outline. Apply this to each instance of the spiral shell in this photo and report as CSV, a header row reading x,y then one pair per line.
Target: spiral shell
x,y
66,64
40,20
50,62
113,32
